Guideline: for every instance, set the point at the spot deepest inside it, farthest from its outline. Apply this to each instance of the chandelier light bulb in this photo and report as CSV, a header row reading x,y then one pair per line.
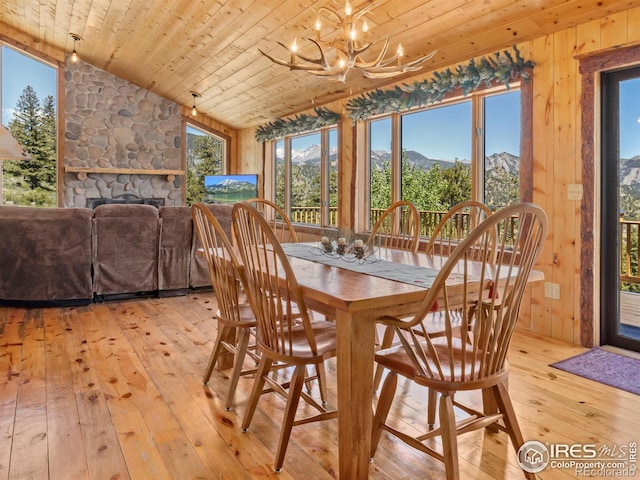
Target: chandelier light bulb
x,y
347,9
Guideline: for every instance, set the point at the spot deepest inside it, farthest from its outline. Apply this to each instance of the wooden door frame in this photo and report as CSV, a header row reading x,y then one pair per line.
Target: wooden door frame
x,y
590,67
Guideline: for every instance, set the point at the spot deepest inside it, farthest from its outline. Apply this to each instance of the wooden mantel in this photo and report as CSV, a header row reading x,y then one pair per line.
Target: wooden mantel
x,y
83,171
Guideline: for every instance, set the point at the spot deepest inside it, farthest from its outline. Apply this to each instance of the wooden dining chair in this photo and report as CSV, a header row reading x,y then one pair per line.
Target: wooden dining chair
x,y
397,227
283,338
446,236
236,321
475,356
277,219
455,225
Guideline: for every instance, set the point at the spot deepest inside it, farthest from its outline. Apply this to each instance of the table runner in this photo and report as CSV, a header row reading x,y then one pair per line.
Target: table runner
x,y
399,272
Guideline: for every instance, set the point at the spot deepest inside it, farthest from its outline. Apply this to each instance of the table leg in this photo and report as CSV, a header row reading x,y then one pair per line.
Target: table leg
x,y
355,383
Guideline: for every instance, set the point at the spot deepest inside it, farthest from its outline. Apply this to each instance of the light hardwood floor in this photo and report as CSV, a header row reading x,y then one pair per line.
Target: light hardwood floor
x,y
113,391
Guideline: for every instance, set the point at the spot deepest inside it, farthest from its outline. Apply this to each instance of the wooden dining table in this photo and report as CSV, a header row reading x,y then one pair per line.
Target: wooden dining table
x,y
355,299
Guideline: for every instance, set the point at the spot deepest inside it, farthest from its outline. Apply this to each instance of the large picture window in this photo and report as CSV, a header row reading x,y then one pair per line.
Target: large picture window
x,y
28,102
437,157
306,177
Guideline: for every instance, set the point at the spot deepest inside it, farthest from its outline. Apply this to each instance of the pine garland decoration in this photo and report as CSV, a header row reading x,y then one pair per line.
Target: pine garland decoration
x,y
300,123
501,68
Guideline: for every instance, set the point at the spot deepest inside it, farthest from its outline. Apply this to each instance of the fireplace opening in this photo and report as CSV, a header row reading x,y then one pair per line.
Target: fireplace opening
x,y
126,199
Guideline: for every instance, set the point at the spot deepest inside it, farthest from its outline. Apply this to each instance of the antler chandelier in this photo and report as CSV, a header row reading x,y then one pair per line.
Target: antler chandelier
x,y
344,52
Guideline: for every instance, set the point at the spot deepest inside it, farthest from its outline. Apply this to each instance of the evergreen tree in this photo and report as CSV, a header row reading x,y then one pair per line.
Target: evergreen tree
x,y
34,126
457,185
205,158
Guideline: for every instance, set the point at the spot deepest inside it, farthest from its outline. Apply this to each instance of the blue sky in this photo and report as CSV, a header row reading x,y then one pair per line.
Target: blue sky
x,y
440,140
40,76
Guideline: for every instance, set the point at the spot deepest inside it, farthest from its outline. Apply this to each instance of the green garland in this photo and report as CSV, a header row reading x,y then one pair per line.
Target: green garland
x,y
503,68
300,123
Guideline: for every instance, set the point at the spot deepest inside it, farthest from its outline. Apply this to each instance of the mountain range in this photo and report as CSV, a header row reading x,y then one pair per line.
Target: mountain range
x,y
504,160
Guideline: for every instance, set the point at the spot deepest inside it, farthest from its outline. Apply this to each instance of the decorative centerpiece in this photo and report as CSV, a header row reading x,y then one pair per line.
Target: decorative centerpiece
x,y
349,249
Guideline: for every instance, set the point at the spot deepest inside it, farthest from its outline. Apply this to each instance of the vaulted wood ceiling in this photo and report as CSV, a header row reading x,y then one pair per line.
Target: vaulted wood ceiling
x,y
173,47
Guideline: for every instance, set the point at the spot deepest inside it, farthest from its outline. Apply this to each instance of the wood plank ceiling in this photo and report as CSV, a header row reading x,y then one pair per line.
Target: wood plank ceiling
x,y
173,47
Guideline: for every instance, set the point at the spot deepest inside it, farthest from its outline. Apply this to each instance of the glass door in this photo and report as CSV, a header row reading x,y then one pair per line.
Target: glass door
x,y
620,225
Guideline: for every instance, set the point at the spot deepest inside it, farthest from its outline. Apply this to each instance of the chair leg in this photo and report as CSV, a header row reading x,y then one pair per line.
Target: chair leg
x,y
449,437
241,352
293,398
432,405
256,391
387,341
501,395
223,332
382,411
322,382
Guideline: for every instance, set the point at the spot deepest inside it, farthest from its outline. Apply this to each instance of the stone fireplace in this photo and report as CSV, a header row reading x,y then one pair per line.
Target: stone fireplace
x,y
120,140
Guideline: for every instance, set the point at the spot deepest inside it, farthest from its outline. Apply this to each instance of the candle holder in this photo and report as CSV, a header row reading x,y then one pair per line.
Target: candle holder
x,y
347,248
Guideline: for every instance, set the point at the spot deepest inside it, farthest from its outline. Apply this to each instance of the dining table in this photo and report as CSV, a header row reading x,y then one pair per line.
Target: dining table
x,y
354,292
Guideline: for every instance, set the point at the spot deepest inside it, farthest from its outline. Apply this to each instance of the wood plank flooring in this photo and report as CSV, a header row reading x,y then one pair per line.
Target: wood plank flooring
x,y
114,391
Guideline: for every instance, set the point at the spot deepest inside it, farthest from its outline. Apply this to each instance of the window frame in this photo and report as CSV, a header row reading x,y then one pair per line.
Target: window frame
x,y
477,161
325,170
226,155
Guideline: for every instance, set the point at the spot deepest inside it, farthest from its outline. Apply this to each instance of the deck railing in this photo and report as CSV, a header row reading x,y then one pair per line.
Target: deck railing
x,y
629,240
629,233
428,218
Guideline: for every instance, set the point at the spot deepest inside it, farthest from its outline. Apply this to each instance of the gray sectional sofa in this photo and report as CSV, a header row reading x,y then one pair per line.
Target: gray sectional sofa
x,y
57,256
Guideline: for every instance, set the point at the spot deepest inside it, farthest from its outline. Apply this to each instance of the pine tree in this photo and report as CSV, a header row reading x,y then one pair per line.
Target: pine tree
x,y
205,158
34,126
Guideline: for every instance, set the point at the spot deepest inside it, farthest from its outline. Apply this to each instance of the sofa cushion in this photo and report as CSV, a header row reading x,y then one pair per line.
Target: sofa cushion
x,y
175,248
125,249
45,254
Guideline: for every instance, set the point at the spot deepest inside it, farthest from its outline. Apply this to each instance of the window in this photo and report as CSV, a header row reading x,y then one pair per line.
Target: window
x,y
458,150
501,149
206,155
28,102
306,177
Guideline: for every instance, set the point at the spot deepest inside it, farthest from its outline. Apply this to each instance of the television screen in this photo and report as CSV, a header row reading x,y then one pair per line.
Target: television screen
x,y
230,188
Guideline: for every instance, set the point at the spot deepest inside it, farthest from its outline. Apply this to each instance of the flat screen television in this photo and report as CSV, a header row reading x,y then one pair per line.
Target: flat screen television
x,y
230,189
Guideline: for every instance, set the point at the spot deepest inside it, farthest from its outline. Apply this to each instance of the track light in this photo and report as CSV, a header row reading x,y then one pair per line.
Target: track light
x,y
74,53
194,111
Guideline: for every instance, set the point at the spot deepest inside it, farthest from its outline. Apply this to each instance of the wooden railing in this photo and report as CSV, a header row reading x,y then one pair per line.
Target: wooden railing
x,y
629,240
428,219
629,234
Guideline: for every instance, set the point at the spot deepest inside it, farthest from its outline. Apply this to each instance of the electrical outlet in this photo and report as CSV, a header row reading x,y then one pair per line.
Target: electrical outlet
x,y
574,191
552,290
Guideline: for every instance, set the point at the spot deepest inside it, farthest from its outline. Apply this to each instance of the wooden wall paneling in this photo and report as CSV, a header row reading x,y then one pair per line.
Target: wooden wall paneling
x,y
564,167
588,37
543,185
614,29
633,27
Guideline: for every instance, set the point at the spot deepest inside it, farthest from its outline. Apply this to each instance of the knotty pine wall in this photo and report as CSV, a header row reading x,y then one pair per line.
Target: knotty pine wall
x,y
556,164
